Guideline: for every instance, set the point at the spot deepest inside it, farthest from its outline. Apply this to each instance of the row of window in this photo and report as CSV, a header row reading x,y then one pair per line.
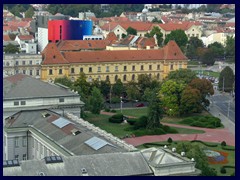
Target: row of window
x,y
23,103
24,157
41,148
28,72
133,77
107,69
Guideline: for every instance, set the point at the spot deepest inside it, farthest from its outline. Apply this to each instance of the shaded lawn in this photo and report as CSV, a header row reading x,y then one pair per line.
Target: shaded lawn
x,y
135,112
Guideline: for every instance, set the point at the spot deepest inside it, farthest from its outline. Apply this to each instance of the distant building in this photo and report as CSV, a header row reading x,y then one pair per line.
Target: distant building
x,y
86,15
23,40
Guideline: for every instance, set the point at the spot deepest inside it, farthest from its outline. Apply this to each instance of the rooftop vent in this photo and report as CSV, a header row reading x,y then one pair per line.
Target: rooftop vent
x,y
41,174
173,149
75,132
53,159
45,114
11,163
182,153
84,172
165,147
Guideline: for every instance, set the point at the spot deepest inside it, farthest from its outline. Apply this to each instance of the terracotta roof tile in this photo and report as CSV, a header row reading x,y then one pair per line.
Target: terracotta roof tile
x,y
6,38
51,55
182,25
170,51
139,26
78,45
111,37
25,37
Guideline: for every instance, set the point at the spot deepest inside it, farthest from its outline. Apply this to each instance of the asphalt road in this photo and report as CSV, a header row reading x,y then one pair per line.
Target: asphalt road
x,y
225,104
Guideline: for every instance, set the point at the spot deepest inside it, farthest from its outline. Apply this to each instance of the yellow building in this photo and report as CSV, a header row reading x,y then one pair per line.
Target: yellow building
x,y
124,64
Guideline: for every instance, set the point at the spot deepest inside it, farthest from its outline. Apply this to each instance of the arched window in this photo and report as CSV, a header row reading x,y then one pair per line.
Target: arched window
x,y
107,78
125,77
133,77
116,78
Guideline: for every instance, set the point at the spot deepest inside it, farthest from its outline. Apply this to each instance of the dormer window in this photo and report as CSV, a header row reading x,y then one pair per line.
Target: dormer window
x,y
54,57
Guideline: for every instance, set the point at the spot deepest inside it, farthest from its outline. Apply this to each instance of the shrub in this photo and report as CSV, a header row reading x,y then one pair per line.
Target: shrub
x,y
223,170
107,110
113,111
131,121
141,122
116,118
223,143
169,140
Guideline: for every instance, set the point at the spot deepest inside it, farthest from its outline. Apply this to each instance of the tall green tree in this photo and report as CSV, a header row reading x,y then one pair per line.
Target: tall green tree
x,y
205,88
179,37
230,47
190,101
131,31
132,91
144,81
156,32
64,81
208,57
182,75
226,80
217,49
10,48
170,96
193,44
105,87
118,88
30,12
95,101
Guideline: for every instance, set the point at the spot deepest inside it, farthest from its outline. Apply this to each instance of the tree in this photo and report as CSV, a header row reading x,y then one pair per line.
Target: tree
x,y
179,37
30,12
132,91
226,80
170,95
64,81
95,101
155,114
118,88
105,87
193,44
217,49
190,101
208,57
156,32
10,48
132,31
183,75
230,47
144,81
205,88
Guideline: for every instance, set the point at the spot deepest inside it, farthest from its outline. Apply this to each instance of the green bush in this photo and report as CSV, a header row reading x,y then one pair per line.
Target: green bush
x,y
204,143
141,122
113,111
223,143
107,110
116,118
131,121
202,121
169,140
223,170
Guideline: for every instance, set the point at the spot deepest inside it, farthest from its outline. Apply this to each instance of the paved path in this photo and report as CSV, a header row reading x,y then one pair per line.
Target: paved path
x,y
210,135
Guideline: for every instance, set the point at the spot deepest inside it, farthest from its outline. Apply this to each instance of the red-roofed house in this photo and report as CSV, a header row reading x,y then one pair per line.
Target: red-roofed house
x,y
10,30
126,65
190,28
120,28
6,38
26,43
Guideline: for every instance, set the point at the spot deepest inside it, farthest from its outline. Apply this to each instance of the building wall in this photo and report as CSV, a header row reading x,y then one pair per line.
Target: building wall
x,y
42,38
39,102
160,70
22,63
31,48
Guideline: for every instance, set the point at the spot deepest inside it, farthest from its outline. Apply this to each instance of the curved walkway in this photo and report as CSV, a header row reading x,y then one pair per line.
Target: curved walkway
x,y
210,135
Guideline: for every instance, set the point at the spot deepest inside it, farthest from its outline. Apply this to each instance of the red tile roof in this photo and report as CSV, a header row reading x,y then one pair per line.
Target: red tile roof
x,y
10,28
52,55
6,38
25,37
78,45
182,25
111,37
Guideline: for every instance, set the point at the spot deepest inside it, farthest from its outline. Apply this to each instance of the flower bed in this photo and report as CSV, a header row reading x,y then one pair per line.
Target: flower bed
x,y
216,157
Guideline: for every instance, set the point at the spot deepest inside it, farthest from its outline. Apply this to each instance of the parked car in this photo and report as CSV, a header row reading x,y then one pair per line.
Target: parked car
x,y
140,105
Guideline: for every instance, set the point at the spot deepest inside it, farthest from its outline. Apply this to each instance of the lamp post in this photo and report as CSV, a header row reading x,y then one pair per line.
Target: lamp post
x,y
121,103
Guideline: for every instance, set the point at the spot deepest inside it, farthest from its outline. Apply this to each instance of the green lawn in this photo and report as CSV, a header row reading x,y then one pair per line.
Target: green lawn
x,y
231,155
135,112
121,130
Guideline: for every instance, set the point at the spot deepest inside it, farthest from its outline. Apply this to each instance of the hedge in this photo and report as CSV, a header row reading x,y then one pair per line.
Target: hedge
x,y
116,118
204,143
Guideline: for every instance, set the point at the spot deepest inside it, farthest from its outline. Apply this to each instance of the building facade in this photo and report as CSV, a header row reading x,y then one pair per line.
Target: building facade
x,y
125,65
29,64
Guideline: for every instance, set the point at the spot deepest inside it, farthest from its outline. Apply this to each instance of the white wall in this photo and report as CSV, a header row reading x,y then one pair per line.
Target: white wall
x,y
42,38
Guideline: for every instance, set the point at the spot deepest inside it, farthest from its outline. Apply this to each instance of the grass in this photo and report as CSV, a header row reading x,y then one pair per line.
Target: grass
x,y
135,112
121,130
230,157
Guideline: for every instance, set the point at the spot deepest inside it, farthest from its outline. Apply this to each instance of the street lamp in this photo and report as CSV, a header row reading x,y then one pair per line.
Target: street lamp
x,y
121,104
